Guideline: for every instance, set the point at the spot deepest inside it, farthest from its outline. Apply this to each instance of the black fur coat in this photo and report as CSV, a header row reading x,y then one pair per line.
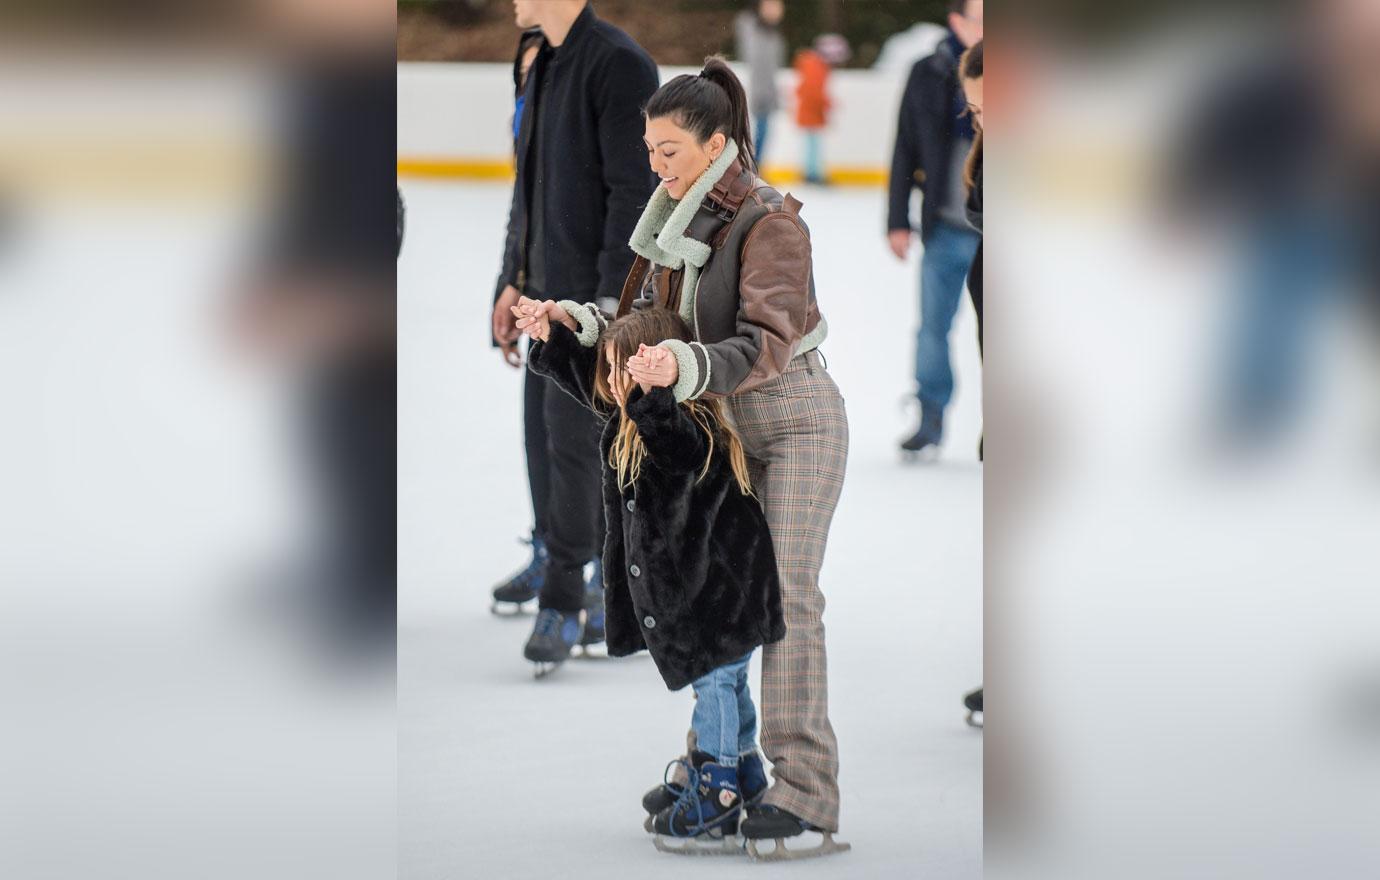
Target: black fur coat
x,y
689,570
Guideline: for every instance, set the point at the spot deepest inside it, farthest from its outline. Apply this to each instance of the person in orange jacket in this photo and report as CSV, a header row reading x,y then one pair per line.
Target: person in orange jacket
x,y
812,67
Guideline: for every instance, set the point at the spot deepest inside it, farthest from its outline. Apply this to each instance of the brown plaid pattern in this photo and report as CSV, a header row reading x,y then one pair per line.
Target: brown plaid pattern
x,y
796,435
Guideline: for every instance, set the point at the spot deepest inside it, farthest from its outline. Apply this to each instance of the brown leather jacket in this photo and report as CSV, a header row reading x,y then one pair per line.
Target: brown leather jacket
x,y
754,306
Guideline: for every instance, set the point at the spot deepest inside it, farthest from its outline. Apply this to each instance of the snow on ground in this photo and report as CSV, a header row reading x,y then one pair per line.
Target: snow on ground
x,y
503,776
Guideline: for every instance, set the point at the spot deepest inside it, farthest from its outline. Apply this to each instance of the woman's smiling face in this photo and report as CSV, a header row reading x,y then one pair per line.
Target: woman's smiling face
x,y
676,156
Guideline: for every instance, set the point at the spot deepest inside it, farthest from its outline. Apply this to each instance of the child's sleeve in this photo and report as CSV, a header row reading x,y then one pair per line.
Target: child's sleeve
x,y
563,360
675,443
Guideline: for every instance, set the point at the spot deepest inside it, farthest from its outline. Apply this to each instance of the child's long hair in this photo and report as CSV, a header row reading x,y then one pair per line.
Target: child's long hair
x,y
649,327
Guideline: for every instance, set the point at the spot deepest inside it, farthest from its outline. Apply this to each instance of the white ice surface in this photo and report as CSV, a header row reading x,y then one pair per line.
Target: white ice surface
x,y
506,777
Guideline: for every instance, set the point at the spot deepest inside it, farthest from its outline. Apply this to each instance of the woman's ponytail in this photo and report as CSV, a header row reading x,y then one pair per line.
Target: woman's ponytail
x,y
712,101
717,71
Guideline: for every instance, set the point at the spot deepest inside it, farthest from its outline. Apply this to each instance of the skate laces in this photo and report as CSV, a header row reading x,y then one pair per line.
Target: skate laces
x,y
689,799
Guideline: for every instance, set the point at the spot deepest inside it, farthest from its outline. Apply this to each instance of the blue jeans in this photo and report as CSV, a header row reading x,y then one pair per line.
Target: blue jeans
x,y
814,164
944,265
759,137
725,721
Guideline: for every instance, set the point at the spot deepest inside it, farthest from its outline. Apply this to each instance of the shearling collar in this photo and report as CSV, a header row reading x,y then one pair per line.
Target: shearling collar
x,y
660,232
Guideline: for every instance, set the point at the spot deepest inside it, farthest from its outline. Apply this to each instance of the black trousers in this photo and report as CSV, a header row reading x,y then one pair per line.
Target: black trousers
x,y
563,473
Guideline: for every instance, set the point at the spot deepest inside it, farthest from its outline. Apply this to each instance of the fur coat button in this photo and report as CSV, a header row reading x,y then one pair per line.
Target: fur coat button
x,y
630,505
649,621
635,571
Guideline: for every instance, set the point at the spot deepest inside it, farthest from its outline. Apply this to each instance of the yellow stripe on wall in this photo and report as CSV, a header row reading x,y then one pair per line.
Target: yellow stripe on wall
x,y
502,169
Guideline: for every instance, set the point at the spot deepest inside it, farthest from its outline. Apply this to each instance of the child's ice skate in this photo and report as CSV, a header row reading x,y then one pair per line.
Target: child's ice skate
x,y
553,637
775,824
524,586
752,779
704,819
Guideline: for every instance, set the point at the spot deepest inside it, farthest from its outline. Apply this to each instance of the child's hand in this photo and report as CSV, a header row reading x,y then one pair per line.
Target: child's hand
x,y
653,367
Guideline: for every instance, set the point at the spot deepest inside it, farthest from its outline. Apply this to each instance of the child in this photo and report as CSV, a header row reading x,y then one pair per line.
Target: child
x,y
812,67
689,570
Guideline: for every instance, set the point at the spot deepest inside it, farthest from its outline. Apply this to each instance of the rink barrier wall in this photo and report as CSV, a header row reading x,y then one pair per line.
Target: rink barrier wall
x,y
434,144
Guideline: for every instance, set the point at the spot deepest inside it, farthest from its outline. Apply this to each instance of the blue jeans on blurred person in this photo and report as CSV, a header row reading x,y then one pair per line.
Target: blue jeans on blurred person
x,y
724,720
948,254
759,137
814,164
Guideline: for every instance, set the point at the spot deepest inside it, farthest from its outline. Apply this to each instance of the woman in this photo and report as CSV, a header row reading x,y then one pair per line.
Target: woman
x,y
730,253
970,72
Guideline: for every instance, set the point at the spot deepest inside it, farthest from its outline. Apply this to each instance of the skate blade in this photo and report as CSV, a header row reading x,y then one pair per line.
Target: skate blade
x,y
699,846
782,853
974,719
542,669
928,455
513,609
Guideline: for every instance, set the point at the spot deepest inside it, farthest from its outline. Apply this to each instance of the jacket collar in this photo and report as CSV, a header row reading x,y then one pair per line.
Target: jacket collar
x,y
660,234
582,25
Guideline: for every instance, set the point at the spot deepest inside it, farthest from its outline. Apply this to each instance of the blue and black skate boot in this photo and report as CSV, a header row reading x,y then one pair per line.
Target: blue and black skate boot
x,y
524,586
553,637
752,779
704,819
594,605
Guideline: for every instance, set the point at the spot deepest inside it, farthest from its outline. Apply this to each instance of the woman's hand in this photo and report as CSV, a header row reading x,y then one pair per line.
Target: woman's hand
x,y
653,367
534,317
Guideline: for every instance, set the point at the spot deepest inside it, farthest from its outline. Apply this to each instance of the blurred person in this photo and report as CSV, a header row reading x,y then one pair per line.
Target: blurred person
x,y
580,185
324,298
692,575
970,73
761,45
1283,150
732,256
933,138
812,67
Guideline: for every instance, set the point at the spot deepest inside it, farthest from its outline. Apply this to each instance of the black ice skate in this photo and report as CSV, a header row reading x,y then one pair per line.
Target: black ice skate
x,y
524,586
927,437
752,779
704,819
552,639
973,703
776,824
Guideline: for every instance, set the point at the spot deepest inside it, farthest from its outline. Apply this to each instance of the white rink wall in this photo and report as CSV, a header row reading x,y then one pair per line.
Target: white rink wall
x,y
462,113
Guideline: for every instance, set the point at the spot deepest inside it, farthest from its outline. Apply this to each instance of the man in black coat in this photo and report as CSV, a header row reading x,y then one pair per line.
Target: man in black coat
x,y
582,181
933,136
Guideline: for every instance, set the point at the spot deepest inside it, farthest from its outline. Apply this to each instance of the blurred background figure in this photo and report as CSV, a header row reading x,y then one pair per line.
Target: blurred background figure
x,y
322,302
934,135
1280,152
762,47
812,107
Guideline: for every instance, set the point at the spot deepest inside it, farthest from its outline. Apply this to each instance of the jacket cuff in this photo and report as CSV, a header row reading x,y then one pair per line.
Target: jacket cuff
x,y
587,316
558,345
692,364
646,406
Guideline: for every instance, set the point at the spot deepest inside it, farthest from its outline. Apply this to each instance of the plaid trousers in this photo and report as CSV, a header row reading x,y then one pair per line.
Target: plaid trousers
x,y
795,433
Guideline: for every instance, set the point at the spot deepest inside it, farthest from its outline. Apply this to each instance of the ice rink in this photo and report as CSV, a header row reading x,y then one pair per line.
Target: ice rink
x,y
500,775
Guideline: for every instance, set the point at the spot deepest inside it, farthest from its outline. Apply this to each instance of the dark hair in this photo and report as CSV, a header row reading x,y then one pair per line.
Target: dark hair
x,y
970,67
958,7
703,104
530,37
